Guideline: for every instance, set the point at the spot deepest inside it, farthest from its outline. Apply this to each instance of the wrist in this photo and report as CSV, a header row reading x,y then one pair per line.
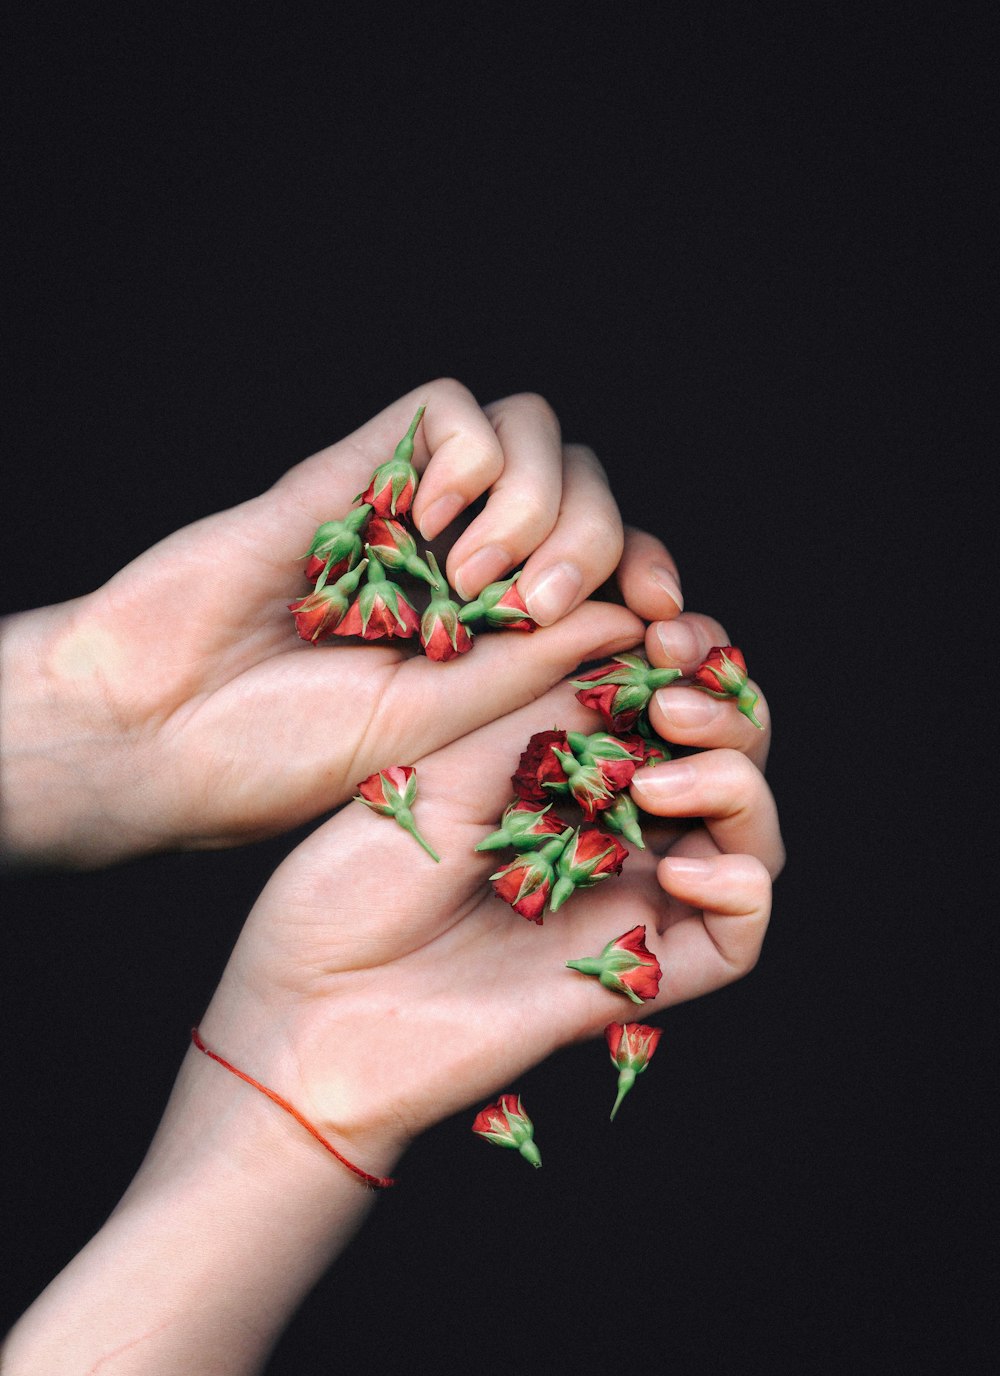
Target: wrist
x,y
62,754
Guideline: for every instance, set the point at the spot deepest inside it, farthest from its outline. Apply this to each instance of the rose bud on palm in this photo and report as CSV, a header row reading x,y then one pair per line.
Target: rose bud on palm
x,y
539,773
506,1124
395,548
622,817
500,604
394,484
527,881
587,783
617,757
323,610
723,673
625,966
620,689
589,856
525,826
631,1045
391,792
382,609
336,546
441,633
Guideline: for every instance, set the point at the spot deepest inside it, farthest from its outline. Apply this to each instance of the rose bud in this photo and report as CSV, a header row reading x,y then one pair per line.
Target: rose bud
x,y
653,749
506,1124
336,546
723,673
631,1045
622,817
319,614
394,483
590,856
525,826
390,792
500,604
539,773
621,689
382,609
625,966
441,633
586,783
395,548
527,881
617,757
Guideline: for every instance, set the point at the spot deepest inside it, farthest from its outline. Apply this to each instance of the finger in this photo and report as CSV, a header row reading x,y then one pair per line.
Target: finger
x,y
524,499
687,716
682,643
732,894
725,789
648,577
584,546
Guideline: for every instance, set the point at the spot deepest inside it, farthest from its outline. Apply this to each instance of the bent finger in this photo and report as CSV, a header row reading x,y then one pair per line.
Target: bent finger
x,y
648,577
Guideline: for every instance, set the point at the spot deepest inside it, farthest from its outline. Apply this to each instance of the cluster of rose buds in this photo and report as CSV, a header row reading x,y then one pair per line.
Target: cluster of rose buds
x,y
373,541
554,858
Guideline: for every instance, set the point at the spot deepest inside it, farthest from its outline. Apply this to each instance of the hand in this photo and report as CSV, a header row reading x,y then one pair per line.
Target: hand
x,y
407,990
174,707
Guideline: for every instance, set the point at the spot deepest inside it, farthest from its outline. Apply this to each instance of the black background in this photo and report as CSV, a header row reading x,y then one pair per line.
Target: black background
x,y
731,246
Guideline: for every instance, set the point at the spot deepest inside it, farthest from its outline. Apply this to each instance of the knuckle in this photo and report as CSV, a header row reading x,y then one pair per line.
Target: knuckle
x,y
601,533
537,409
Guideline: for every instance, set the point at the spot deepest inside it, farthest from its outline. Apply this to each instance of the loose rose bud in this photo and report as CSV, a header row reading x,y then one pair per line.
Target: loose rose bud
x,y
621,689
622,817
394,483
527,881
323,610
506,1124
441,633
382,609
500,604
723,673
653,749
539,774
395,548
336,546
631,1045
589,856
586,783
390,793
625,966
618,757
525,826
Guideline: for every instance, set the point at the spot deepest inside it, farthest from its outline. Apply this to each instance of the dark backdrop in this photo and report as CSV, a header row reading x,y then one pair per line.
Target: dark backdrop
x,y
726,246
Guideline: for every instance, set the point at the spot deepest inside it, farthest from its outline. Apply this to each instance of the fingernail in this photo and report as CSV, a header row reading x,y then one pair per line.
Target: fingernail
x,y
553,594
678,642
686,707
439,514
664,579
686,866
665,781
485,566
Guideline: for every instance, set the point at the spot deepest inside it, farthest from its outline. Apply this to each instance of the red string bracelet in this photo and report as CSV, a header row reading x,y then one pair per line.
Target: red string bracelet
x,y
380,1182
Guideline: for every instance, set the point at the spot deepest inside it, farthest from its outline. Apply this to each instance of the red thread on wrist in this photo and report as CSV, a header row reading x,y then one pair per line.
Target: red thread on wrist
x,y
380,1182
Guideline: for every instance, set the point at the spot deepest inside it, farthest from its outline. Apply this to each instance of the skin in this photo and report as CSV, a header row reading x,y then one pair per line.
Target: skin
x,y
174,707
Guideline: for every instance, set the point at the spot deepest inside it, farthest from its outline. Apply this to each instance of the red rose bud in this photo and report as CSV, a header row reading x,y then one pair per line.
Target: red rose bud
x,y
589,856
625,966
323,610
381,609
587,783
622,817
506,1124
539,773
441,633
655,750
336,546
500,604
631,1045
723,673
618,758
395,548
394,484
390,793
527,881
621,689
525,826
